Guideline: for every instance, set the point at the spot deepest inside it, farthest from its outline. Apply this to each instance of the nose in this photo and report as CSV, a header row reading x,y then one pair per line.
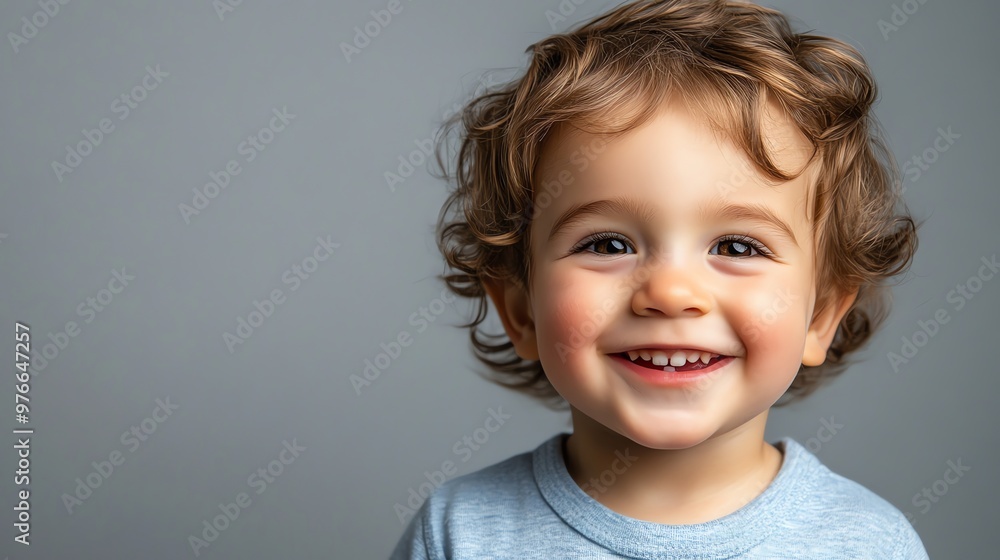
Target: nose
x,y
670,287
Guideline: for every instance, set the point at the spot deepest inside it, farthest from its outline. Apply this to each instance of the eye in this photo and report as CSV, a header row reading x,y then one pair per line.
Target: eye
x,y
615,243
741,246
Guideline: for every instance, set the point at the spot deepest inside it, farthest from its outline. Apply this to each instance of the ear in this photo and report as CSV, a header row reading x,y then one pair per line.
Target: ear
x,y
514,308
823,328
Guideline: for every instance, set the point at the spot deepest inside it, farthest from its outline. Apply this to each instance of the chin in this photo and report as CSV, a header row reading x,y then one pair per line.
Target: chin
x,y
665,433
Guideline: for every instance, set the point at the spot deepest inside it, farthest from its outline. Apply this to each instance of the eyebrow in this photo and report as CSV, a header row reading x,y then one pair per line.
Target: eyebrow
x,y
751,212
623,205
619,205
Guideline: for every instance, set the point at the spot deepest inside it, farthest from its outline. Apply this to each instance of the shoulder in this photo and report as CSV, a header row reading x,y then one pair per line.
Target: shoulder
x,y
850,512
488,499
484,493
850,501
458,513
477,514
505,477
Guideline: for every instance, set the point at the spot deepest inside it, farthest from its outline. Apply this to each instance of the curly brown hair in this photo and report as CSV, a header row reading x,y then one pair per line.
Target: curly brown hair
x,y
726,58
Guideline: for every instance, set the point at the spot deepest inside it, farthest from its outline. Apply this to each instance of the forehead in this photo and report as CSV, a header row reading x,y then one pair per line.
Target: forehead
x,y
675,159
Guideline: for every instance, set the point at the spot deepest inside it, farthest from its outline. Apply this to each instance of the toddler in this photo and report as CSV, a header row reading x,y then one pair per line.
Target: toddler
x,y
684,214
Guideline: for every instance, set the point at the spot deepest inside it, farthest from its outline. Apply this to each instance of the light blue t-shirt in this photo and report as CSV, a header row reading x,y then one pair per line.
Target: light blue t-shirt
x,y
529,507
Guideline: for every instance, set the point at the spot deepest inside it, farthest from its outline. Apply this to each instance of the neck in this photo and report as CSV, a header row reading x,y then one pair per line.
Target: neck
x,y
675,486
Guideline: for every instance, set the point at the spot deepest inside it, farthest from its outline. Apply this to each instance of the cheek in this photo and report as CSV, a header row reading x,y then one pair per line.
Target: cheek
x,y
771,316
771,325
571,312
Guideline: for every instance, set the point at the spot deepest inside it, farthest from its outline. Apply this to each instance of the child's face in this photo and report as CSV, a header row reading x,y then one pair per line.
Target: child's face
x,y
669,277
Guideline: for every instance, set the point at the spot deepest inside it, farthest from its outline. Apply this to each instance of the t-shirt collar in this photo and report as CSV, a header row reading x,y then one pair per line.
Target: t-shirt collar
x,y
725,537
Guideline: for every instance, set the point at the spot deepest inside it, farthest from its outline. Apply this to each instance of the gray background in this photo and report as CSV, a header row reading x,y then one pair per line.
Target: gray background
x,y
323,175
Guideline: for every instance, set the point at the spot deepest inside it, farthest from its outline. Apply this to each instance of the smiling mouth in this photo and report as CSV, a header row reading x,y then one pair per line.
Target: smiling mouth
x,y
688,366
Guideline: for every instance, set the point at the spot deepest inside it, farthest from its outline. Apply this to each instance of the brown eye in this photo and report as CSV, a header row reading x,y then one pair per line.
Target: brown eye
x,y
740,247
612,246
736,249
606,243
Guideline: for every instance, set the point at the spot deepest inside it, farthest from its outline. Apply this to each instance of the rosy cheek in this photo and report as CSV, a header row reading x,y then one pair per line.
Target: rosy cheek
x,y
567,315
770,326
558,325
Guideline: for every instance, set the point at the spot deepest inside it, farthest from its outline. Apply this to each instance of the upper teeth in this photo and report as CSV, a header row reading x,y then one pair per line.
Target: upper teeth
x,y
675,359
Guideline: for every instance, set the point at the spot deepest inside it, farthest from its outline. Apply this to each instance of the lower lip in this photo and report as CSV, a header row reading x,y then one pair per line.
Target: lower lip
x,y
667,378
